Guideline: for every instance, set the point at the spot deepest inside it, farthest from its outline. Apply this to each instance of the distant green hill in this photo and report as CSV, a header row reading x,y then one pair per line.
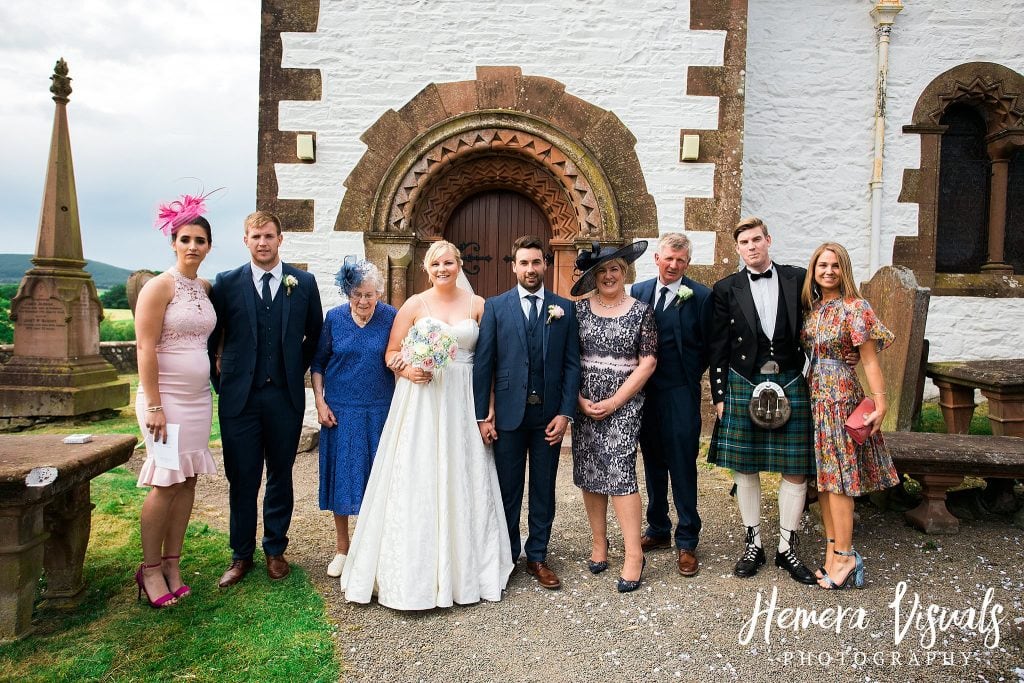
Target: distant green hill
x,y
13,267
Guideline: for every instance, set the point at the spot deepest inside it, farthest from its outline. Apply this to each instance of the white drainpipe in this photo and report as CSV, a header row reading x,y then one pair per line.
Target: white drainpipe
x,y
884,13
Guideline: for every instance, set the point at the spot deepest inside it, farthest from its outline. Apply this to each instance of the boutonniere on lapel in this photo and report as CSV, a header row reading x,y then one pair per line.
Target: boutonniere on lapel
x,y
682,294
554,313
289,283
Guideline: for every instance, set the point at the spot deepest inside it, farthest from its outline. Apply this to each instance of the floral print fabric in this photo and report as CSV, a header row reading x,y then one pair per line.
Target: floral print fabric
x,y
831,330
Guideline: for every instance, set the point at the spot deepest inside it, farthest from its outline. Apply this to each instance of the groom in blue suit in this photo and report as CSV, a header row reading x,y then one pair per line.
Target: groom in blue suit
x,y
528,356
670,427
268,325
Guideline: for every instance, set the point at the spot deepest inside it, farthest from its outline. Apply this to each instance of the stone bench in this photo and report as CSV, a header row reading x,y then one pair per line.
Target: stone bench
x,y
45,518
941,461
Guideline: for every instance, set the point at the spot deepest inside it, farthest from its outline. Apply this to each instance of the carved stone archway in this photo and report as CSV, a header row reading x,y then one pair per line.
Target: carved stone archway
x,y
503,130
996,92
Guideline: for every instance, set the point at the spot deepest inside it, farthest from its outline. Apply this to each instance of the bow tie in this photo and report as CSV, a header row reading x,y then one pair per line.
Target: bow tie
x,y
754,277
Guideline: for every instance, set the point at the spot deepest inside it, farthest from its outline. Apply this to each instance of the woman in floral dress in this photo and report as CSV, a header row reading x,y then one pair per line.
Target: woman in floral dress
x,y
618,347
838,321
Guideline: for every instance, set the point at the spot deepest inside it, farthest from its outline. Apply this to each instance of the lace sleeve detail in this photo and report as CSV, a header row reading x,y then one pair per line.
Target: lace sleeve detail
x,y
865,325
648,334
326,344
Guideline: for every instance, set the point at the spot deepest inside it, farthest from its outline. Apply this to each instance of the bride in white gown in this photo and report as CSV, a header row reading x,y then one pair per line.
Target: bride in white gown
x,y
431,530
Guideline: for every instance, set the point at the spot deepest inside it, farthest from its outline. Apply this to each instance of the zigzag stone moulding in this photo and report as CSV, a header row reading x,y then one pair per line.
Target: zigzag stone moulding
x,y
586,151
491,158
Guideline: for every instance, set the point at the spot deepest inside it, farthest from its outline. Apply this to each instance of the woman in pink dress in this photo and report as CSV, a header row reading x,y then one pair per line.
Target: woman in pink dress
x,y
173,321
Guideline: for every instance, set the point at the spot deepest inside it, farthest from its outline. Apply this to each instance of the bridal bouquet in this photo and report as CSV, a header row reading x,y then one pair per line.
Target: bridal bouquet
x,y
429,346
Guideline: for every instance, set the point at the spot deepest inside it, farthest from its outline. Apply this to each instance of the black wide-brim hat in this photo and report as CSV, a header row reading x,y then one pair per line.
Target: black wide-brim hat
x,y
588,261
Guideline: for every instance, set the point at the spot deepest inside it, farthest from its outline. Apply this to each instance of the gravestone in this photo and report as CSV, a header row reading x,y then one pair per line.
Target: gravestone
x,y
56,369
902,306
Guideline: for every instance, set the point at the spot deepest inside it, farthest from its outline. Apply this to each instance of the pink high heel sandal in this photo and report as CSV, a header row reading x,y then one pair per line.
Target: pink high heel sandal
x,y
160,602
183,590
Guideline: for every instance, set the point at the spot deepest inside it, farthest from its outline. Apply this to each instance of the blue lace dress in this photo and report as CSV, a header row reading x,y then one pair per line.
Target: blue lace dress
x,y
358,388
604,451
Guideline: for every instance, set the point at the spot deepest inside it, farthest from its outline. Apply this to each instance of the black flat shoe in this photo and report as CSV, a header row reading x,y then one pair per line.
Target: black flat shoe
x,y
630,586
797,569
752,558
598,567
792,564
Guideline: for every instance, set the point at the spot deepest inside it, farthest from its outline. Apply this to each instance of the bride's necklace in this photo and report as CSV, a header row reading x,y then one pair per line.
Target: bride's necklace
x,y
618,303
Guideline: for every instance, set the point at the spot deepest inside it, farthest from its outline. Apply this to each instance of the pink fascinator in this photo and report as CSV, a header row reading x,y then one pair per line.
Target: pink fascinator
x,y
173,215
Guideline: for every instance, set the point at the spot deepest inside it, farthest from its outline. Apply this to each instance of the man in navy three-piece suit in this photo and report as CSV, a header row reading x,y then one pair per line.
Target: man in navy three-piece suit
x,y
268,324
528,355
670,427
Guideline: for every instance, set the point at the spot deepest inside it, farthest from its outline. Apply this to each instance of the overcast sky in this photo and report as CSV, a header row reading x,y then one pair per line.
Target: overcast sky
x,y
163,92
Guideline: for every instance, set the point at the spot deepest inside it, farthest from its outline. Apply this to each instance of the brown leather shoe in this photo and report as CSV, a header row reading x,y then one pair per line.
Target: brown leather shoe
x,y
545,577
688,564
649,543
235,573
277,567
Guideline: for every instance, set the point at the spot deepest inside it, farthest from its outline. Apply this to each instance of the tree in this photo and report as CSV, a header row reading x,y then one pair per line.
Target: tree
x,y
7,293
115,297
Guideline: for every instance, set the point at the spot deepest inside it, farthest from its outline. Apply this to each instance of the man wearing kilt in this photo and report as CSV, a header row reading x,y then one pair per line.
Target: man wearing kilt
x,y
755,338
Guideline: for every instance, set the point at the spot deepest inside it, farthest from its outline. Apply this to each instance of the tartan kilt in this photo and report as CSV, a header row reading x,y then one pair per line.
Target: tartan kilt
x,y
740,445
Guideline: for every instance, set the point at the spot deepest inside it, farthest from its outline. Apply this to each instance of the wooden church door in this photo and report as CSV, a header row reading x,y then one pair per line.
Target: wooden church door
x,y
484,226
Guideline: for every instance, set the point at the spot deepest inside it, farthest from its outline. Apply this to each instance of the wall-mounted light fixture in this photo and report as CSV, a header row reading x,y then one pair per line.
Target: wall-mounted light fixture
x,y
304,147
690,148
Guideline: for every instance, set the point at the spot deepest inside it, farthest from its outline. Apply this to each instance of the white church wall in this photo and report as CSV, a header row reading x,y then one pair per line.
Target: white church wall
x,y
629,58
808,139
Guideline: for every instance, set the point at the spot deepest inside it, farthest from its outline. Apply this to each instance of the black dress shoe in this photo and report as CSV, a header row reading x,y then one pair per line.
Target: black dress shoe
x,y
752,558
797,569
598,567
625,586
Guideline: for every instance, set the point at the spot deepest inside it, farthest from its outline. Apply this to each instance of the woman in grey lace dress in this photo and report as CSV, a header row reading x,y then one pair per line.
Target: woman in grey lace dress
x,y
618,346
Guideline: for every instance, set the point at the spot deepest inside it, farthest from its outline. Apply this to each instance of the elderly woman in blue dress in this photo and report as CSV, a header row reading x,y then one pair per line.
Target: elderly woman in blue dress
x,y
353,388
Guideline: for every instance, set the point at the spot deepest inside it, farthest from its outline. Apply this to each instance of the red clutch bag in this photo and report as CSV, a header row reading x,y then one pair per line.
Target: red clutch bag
x,y
855,426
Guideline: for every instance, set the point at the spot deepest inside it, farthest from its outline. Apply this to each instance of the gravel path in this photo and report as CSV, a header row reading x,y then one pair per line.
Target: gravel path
x,y
676,629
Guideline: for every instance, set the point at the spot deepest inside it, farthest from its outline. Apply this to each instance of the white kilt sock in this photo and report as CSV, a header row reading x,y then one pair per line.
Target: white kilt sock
x,y
791,510
748,497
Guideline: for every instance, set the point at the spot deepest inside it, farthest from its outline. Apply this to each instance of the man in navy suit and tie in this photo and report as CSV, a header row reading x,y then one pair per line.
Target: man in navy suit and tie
x,y
268,325
670,428
528,357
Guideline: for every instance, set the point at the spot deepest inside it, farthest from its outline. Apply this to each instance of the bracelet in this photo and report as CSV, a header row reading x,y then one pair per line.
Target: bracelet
x,y
154,409
878,393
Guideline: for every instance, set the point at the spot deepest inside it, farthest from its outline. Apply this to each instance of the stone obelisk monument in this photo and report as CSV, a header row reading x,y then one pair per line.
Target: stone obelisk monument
x,y
56,369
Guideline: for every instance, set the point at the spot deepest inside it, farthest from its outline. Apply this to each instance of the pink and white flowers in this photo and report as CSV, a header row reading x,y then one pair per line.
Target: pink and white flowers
x,y
429,346
554,313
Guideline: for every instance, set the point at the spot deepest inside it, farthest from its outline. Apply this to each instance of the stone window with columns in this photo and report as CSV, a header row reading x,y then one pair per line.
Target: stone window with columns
x,y
970,239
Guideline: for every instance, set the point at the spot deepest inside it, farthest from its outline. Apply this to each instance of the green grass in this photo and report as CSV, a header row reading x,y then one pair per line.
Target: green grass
x,y
931,419
258,630
122,422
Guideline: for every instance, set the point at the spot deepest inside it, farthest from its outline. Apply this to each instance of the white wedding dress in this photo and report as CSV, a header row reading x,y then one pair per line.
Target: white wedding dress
x,y
431,530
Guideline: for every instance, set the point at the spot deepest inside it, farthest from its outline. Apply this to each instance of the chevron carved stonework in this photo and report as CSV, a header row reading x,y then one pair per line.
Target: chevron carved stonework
x,y
494,158
1006,108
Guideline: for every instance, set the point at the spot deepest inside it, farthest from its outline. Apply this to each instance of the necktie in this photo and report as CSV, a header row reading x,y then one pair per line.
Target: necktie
x,y
267,298
754,277
532,298
661,300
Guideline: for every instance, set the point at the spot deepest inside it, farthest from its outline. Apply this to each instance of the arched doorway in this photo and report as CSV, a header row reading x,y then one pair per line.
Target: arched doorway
x,y
484,226
568,166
